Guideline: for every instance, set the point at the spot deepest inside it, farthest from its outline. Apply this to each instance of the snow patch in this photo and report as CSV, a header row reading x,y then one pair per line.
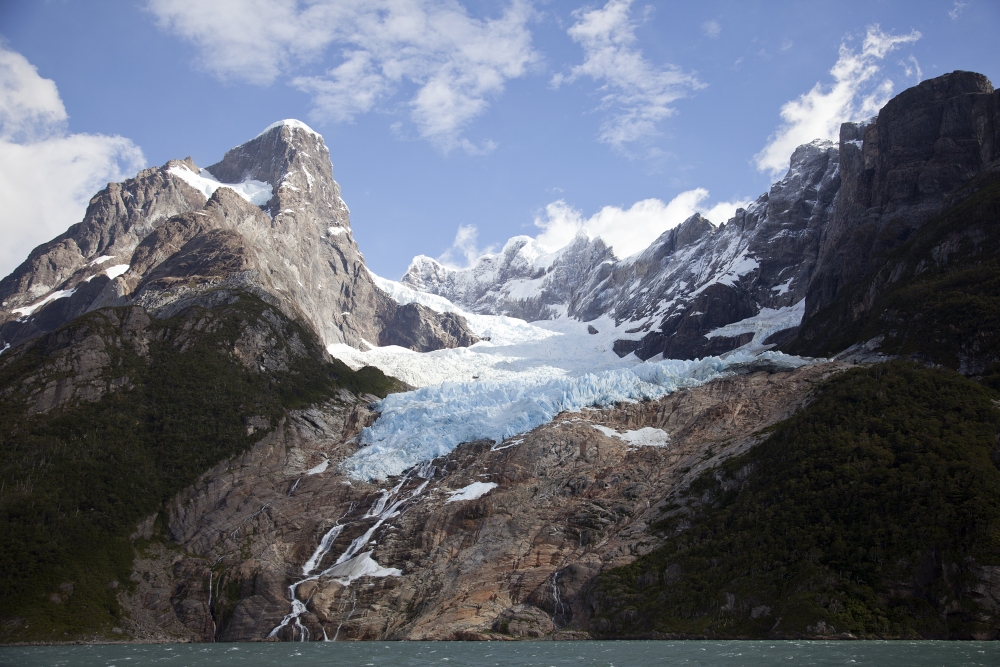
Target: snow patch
x,y
783,287
257,193
472,491
362,565
28,310
117,270
335,231
320,468
101,259
763,324
643,437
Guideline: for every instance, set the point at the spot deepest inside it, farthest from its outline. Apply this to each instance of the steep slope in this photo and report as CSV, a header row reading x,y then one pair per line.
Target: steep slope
x,y
456,548
275,225
689,282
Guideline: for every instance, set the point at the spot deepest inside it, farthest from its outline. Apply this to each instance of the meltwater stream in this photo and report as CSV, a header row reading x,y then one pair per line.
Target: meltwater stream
x,y
352,564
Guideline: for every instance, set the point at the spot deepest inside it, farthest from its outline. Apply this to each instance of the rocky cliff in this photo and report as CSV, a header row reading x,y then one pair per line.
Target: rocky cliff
x,y
908,262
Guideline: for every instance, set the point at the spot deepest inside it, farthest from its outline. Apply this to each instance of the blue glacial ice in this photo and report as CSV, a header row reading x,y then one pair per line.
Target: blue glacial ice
x,y
420,425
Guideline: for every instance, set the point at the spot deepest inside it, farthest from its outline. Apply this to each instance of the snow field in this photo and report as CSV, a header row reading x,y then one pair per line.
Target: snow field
x,y
643,437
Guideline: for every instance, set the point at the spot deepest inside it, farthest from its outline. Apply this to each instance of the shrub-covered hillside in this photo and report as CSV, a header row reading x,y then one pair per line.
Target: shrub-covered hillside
x,y
871,512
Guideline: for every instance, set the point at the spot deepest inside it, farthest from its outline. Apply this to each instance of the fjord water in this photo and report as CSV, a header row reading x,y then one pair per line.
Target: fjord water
x,y
514,654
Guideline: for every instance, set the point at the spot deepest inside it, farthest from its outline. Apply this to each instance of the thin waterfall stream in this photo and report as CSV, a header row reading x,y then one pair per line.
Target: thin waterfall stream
x,y
352,564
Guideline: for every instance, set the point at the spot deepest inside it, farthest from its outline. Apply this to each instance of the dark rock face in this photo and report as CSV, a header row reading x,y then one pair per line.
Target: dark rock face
x,y
896,172
295,250
418,328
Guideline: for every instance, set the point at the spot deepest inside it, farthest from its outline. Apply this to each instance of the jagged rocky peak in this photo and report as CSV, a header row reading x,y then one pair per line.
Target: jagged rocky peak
x,y
525,279
268,218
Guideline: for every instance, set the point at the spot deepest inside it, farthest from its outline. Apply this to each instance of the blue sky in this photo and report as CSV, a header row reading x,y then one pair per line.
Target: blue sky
x,y
481,120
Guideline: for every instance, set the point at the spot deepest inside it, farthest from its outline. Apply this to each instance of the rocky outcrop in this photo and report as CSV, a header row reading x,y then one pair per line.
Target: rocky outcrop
x,y
267,218
569,501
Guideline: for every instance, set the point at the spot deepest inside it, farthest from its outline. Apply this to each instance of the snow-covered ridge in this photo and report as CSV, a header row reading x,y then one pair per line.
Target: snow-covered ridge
x,y
420,425
257,193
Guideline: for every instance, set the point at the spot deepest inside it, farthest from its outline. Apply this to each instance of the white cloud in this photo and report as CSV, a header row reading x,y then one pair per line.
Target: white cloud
x,y
47,176
456,63
463,251
630,230
711,28
637,93
853,96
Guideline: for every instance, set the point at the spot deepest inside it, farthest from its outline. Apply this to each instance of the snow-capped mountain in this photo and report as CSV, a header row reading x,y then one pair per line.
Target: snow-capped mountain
x,y
198,398
267,218
691,281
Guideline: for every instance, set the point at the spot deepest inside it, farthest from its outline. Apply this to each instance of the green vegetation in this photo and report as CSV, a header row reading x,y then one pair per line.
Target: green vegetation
x,y
867,511
938,295
74,482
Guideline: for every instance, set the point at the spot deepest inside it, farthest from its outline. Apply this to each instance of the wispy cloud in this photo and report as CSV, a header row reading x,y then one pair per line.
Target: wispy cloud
x,y
956,10
630,230
853,95
911,67
47,175
447,64
637,93
711,28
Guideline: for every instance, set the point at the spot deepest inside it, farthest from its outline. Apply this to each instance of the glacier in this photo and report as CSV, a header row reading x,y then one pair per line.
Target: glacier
x,y
421,425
